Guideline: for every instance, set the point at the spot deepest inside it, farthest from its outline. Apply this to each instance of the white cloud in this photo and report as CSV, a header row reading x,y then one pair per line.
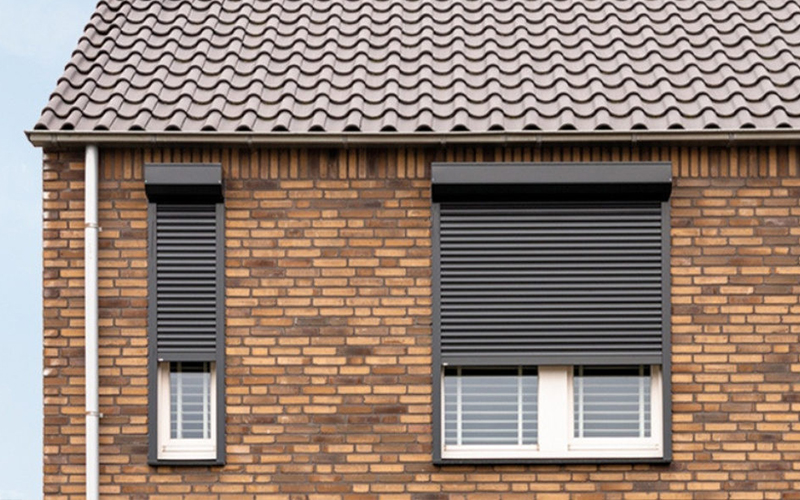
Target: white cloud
x,y
43,30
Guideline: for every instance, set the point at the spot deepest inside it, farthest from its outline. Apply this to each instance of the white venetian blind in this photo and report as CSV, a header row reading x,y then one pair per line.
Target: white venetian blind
x,y
490,406
190,400
612,402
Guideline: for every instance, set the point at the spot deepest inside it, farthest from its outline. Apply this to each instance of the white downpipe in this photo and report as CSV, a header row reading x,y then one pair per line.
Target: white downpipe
x,y
90,287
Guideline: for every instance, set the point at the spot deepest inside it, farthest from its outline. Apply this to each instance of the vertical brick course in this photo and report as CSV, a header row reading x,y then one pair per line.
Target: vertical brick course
x,y
328,313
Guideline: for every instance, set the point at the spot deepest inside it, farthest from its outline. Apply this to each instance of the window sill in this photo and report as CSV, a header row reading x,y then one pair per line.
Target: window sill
x,y
550,461
188,453
583,451
600,449
184,462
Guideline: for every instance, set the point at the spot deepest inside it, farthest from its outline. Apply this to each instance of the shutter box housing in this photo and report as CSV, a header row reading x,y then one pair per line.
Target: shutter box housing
x,y
183,182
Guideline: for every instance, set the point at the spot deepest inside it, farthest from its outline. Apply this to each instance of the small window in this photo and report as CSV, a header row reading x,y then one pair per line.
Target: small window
x,y
187,411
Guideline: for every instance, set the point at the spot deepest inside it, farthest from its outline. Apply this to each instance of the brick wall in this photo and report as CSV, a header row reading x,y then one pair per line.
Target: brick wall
x,y
329,340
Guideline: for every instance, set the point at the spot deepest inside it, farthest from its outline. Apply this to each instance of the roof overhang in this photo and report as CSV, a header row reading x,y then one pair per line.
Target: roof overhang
x,y
49,139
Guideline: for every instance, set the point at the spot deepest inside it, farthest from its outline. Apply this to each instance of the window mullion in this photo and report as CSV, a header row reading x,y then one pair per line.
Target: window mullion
x,y
554,409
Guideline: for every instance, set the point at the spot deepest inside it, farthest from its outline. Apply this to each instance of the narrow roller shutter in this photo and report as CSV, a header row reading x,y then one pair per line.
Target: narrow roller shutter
x,y
550,283
187,280
186,325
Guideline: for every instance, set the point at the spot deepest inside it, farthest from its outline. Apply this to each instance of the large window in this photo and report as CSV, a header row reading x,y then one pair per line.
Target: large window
x,y
551,311
186,314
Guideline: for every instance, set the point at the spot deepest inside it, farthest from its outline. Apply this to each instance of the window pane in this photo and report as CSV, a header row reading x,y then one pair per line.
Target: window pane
x,y
190,400
490,406
612,401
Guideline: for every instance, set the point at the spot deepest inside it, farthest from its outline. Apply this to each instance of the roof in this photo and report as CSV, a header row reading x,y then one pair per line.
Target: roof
x,y
340,66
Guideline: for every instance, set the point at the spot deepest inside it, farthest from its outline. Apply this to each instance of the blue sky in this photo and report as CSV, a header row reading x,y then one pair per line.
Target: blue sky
x,y
36,40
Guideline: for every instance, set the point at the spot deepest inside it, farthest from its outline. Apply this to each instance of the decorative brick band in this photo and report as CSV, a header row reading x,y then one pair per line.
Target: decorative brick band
x,y
414,163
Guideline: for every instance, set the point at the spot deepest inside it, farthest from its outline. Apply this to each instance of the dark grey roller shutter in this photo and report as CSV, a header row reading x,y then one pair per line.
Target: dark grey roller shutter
x,y
550,283
187,281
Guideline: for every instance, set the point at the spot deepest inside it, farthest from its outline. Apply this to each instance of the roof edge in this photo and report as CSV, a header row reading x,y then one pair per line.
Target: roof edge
x,y
43,139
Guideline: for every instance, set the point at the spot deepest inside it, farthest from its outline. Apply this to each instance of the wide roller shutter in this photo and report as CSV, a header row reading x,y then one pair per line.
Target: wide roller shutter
x,y
187,280
542,264
555,282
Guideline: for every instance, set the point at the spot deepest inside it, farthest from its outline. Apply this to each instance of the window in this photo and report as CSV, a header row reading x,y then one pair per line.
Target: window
x,y
187,420
185,314
587,412
616,412
551,312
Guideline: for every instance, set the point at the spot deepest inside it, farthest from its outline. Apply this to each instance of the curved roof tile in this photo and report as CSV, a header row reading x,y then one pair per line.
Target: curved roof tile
x,y
405,66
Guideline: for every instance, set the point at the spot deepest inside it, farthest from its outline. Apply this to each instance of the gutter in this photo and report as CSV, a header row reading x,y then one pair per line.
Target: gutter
x,y
91,324
48,139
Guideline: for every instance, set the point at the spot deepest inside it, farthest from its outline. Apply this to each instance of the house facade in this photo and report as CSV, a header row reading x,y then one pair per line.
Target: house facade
x,y
427,285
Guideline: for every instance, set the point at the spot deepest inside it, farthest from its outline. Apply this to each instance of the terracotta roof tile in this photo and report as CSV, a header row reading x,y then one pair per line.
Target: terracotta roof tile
x,y
441,65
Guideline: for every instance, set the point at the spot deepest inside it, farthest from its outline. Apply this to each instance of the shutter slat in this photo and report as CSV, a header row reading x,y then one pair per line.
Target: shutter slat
x,y
563,279
580,287
552,210
539,325
186,279
511,279
569,303
503,272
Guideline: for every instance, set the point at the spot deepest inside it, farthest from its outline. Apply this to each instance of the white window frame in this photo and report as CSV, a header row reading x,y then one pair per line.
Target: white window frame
x,y
643,447
170,448
556,426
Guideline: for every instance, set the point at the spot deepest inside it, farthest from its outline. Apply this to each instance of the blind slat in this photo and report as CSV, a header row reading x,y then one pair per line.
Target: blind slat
x,y
612,402
490,407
